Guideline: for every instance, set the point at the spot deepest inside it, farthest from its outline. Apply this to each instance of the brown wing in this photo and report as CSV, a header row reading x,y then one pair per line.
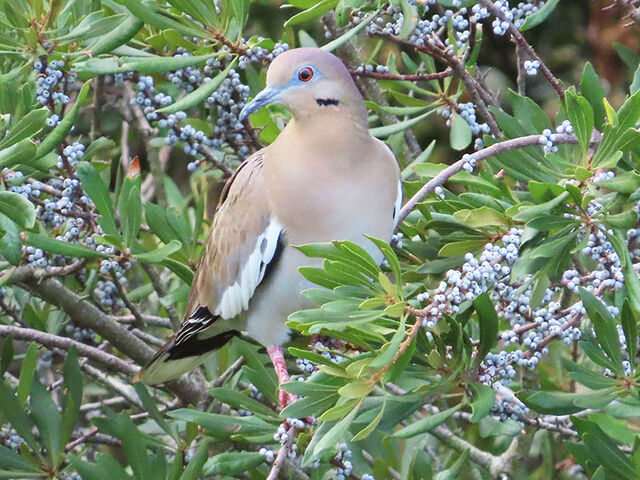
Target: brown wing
x,y
243,240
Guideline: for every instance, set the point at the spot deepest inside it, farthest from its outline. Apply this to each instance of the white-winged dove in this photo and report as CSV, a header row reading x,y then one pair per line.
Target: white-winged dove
x,y
324,178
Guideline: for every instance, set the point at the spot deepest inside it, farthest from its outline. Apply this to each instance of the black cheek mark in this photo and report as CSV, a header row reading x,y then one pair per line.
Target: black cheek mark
x,y
324,102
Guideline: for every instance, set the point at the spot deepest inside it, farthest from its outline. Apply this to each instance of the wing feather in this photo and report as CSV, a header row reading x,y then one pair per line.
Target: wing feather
x,y
243,244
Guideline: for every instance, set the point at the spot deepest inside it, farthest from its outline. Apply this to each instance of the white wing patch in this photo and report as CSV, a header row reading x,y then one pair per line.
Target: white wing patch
x,y
398,206
236,297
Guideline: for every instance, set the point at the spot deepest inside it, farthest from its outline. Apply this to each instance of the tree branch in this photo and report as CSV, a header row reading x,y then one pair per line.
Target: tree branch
x,y
86,314
54,341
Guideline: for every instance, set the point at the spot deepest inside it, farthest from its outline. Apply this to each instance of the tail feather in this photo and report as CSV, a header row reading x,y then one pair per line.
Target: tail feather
x,y
175,359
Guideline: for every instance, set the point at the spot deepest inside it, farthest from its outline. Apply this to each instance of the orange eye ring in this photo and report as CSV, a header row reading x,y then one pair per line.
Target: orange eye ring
x,y
305,74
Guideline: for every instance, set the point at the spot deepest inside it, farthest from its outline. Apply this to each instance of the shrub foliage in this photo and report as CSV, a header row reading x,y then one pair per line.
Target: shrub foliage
x,y
499,337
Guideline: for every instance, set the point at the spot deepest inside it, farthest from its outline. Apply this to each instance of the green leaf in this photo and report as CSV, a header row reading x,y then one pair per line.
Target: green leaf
x,y
410,19
238,400
607,453
388,130
625,220
120,35
482,217
13,411
596,354
105,468
356,390
130,207
99,193
152,13
10,243
455,249
629,112
581,116
387,355
635,85
51,245
72,399
149,405
630,329
460,133
488,319
371,426
20,466
196,464
556,403
27,126
223,426
27,371
587,377
561,403
623,182
315,11
18,209
48,420
22,152
545,223
391,257
529,212
593,91
62,129
528,113
540,16
427,423
605,327
310,405
336,432
160,254
483,401
233,463
7,354
200,94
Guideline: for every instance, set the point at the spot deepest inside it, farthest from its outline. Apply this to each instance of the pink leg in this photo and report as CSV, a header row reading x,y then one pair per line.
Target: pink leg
x,y
277,358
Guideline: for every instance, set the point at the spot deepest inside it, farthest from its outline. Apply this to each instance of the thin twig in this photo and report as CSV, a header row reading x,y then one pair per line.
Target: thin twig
x,y
148,319
112,384
123,295
369,458
411,78
93,436
161,290
283,453
632,12
218,382
524,45
495,149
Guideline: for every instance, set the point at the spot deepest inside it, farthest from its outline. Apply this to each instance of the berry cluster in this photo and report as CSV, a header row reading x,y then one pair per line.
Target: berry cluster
x,y
10,438
372,69
187,79
547,140
259,54
82,335
51,85
107,294
531,67
516,15
473,278
340,461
